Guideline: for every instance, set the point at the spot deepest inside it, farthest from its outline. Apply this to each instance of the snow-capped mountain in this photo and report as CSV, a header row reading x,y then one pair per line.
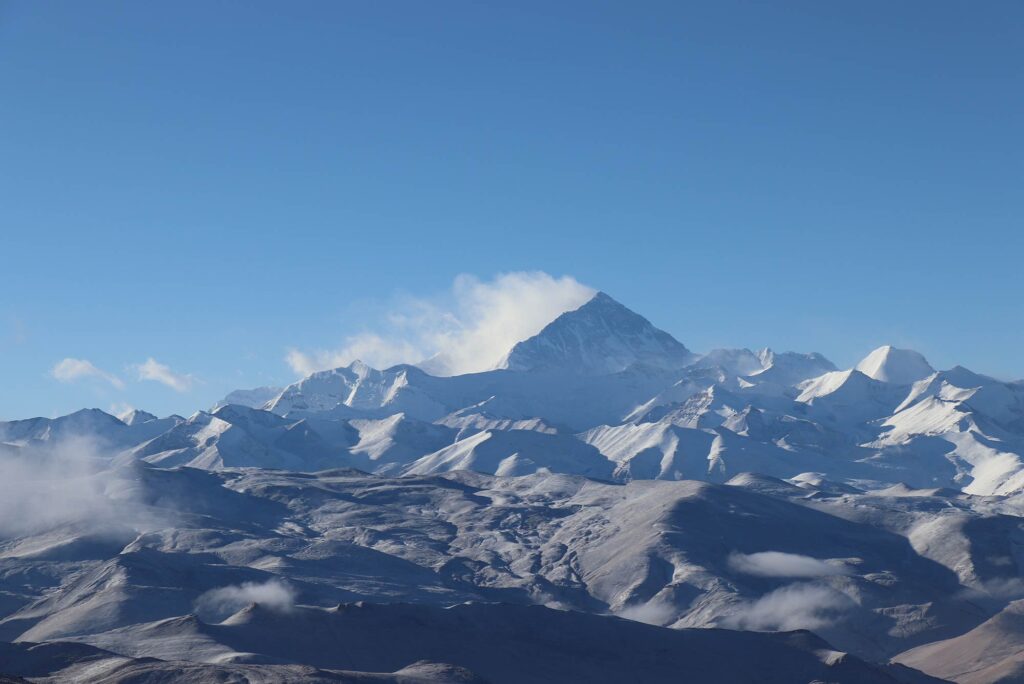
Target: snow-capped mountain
x,y
358,390
898,366
787,369
238,436
252,398
99,429
599,338
609,395
136,417
604,470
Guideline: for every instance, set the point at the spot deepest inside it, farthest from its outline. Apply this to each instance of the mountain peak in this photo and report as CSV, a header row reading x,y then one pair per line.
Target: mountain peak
x,y
601,337
602,298
136,417
252,398
897,366
791,368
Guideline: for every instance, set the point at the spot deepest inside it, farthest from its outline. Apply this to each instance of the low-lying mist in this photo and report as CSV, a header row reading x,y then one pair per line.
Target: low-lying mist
x,y
74,481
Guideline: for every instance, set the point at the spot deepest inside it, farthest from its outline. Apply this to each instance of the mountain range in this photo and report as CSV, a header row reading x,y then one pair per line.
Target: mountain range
x,y
602,392
600,476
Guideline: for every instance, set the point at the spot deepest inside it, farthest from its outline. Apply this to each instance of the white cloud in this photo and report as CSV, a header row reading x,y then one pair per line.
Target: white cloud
x,y
651,613
70,370
491,317
797,606
466,330
370,348
222,602
779,564
70,481
120,409
154,370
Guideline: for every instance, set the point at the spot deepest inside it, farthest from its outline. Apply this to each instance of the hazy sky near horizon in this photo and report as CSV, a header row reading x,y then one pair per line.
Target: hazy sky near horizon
x,y
200,196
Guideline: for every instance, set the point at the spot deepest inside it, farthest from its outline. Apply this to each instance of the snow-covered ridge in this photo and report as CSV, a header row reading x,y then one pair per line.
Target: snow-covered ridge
x,y
601,391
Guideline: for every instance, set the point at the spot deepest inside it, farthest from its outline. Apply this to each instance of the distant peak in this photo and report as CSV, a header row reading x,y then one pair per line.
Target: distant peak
x,y
356,368
136,416
602,301
896,366
602,297
601,337
791,368
253,398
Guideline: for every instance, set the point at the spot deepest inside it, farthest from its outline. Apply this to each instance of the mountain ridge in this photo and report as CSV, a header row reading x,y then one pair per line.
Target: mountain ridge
x,y
739,492
661,411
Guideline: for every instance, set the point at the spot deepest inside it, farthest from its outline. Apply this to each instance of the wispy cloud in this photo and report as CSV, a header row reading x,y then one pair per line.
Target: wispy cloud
x,y
72,370
158,372
70,481
466,330
220,603
797,606
120,409
653,612
17,332
779,564
370,348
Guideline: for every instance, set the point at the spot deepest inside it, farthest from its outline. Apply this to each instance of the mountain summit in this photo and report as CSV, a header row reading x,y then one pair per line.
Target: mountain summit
x,y
898,366
599,338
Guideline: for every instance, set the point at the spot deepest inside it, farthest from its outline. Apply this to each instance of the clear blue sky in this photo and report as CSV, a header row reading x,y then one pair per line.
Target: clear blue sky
x,y
211,183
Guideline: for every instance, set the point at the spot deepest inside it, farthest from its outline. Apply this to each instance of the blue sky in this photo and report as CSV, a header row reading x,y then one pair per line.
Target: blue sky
x,y
211,184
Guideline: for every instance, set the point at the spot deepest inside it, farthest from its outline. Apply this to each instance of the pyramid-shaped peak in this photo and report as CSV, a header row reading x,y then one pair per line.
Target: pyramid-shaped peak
x,y
600,337
605,307
602,298
896,366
